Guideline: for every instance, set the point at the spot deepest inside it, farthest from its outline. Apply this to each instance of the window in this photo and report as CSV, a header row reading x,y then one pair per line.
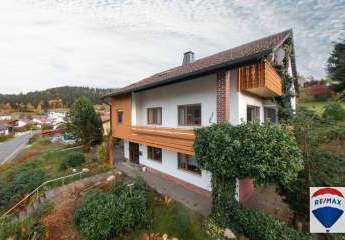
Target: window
x,y
270,114
154,116
154,154
253,113
119,116
188,162
189,114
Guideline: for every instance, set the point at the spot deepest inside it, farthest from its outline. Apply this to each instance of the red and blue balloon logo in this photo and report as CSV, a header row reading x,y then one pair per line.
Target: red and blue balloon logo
x,y
327,205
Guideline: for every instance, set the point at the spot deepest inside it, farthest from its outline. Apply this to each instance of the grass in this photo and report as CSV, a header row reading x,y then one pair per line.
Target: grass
x,y
317,106
175,220
47,157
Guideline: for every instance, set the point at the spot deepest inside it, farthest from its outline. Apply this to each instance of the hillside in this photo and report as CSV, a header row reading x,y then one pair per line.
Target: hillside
x,y
59,97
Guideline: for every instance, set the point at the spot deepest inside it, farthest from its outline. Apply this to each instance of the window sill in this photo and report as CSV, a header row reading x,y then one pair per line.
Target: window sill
x,y
190,172
153,160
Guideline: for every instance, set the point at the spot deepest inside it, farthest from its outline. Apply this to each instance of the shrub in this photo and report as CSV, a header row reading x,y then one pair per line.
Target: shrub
x,y
105,215
13,228
18,181
102,152
73,159
334,111
4,138
256,225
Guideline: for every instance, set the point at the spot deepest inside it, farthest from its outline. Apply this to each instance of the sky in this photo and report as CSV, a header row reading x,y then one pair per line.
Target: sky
x,y
113,43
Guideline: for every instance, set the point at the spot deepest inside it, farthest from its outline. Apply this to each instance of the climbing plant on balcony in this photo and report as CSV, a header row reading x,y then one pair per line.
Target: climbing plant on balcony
x,y
265,152
285,110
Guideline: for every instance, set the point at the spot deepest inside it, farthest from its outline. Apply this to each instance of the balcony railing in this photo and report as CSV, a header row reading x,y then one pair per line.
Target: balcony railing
x,y
260,79
175,139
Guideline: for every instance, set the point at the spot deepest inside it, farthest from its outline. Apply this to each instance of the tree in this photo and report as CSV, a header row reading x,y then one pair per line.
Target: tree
x,y
336,67
83,122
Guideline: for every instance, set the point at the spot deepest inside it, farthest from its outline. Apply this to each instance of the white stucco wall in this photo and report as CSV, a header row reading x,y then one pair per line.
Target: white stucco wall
x,y
239,102
169,166
201,90
126,149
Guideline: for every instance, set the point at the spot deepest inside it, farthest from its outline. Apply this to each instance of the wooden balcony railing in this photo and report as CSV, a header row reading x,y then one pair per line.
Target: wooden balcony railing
x,y
260,79
174,139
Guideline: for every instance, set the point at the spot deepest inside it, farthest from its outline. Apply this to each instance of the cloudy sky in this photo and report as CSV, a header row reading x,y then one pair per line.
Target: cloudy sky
x,y
112,43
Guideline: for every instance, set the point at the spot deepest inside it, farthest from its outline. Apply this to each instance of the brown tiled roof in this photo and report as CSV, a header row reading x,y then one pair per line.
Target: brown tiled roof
x,y
223,59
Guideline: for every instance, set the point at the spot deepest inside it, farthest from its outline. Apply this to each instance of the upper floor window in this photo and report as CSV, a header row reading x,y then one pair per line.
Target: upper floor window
x,y
189,114
120,116
154,115
154,153
270,114
188,162
253,113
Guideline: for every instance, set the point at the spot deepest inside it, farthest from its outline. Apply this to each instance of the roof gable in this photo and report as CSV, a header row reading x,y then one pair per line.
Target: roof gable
x,y
225,58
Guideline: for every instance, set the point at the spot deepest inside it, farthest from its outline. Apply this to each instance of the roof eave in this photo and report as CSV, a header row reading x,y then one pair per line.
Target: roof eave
x,y
194,74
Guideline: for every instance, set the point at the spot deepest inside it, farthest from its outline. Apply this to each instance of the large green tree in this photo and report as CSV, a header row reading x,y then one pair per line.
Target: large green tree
x,y
336,67
84,123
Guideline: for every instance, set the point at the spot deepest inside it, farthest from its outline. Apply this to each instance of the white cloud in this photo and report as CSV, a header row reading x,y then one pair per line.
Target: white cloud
x,y
111,43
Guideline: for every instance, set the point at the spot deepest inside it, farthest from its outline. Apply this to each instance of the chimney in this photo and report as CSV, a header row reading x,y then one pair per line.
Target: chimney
x,y
188,58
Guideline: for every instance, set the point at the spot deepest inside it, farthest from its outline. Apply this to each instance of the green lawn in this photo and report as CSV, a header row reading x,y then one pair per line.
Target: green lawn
x,y
39,162
176,220
316,106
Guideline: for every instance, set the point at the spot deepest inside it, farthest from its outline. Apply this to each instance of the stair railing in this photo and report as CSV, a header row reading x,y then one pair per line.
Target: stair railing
x,y
36,191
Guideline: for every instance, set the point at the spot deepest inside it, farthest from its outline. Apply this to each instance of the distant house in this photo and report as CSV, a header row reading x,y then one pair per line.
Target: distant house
x,y
317,90
4,130
5,117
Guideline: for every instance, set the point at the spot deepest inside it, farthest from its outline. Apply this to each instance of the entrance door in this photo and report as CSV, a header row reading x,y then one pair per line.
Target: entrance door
x,y
134,153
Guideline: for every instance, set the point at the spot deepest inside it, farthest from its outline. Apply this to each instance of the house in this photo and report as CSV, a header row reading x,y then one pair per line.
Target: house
x,y
4,130
155,117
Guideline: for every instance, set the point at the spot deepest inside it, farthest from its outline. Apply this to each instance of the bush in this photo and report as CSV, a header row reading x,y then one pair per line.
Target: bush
x,y
73,159
4,138
13,228
256,225
334,111
102,153
106,215
18,181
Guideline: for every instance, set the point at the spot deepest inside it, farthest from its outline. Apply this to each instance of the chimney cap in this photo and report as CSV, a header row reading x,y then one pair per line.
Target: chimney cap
x,y
188,57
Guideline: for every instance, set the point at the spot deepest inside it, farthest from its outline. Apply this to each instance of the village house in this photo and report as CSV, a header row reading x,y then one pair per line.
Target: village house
x,y
155,117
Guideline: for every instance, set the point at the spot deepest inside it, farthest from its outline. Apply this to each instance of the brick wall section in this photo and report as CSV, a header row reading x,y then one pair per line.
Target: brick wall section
x,y
223,96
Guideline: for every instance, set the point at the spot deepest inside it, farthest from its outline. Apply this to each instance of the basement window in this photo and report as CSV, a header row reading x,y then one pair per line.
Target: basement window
x,y
154,154
253,113
188,163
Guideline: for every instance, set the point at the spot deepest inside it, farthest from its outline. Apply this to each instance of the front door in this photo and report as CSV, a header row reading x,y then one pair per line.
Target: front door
x,y
134,153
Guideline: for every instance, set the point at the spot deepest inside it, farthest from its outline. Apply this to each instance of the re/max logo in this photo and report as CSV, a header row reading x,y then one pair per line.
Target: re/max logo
x,y
327,200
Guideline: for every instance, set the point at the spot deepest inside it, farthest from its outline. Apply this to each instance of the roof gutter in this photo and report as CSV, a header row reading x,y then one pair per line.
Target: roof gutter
x,y
194,74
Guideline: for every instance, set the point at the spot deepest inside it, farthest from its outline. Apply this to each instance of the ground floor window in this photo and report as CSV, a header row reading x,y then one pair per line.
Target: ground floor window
x,y
188,162
253,113
270,114
154,154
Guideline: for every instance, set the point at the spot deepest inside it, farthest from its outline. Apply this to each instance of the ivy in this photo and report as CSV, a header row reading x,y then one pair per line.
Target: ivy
x,y
285,111
265,152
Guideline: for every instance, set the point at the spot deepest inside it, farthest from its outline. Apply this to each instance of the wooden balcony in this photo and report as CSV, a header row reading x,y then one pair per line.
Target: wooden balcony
x,y
174,139
260,79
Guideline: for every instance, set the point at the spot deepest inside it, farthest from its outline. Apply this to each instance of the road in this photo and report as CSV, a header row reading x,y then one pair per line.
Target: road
x,y
10,149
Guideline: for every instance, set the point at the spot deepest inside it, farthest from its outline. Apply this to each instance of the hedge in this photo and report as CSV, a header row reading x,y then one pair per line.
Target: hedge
x,y
106,215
